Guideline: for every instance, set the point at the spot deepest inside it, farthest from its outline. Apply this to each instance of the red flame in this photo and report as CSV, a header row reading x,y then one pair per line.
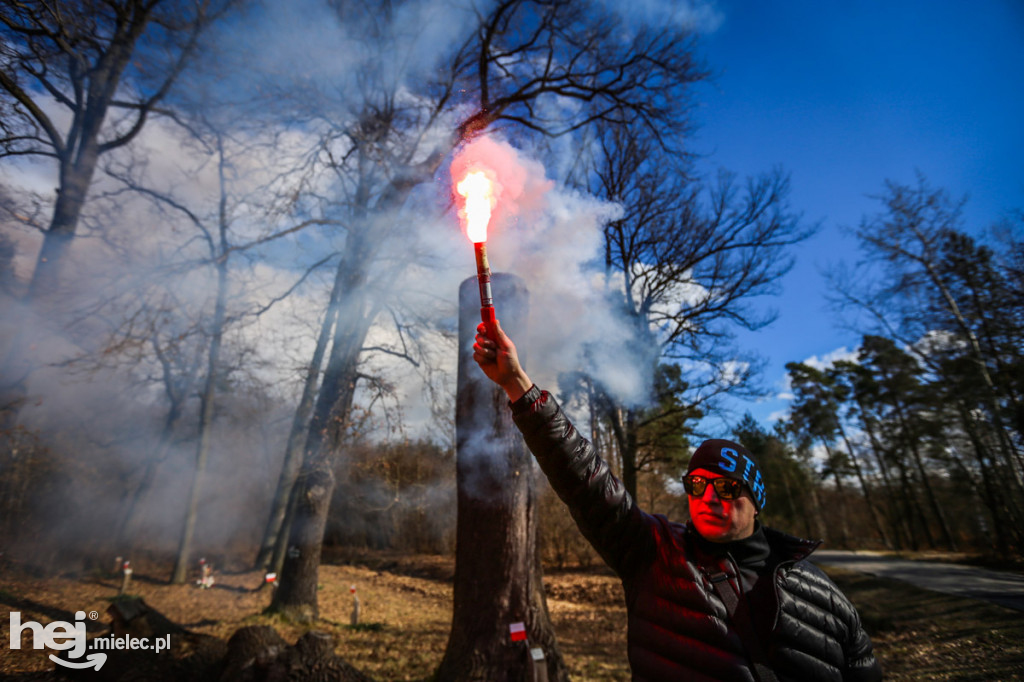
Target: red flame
x,y
478,189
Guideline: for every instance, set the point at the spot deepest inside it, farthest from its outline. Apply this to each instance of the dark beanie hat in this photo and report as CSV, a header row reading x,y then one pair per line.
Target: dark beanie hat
x,y
731,460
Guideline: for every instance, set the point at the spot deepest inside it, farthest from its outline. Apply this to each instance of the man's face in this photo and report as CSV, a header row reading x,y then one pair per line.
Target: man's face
x,y
720,520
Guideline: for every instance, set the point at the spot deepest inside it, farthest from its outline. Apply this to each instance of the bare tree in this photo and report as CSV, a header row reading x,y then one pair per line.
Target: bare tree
x,y
180,364
104,67
681,264
222,228
523,58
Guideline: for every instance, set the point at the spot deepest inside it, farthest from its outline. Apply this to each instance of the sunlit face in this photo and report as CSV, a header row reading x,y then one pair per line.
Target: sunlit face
x,y
720,520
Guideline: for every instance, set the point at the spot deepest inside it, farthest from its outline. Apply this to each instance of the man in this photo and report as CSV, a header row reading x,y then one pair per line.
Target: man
x,y
720,598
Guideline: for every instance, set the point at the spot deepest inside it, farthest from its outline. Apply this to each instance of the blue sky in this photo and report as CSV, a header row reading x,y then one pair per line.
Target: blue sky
x,y
846,94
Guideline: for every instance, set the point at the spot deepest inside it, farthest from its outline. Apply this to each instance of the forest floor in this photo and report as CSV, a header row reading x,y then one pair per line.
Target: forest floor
x,y
405,612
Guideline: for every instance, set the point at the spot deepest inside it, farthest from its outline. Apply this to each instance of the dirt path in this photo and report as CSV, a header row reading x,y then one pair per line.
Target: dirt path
x,y
999,587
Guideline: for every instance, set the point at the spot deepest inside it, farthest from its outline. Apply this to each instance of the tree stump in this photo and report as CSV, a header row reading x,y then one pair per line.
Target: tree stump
x,y
498,578
258,654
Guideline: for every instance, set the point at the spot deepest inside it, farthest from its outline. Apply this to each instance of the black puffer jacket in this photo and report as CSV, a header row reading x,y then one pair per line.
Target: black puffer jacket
x,y
677,624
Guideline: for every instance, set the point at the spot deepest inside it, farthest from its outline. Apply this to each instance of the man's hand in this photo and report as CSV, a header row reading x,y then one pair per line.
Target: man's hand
x,y
498,359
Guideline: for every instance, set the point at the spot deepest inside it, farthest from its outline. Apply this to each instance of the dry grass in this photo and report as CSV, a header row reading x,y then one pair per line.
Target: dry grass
x,y
405,613
406,610
924,635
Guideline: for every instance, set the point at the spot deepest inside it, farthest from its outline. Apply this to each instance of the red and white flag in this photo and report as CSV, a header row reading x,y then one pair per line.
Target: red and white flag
x,y
517,631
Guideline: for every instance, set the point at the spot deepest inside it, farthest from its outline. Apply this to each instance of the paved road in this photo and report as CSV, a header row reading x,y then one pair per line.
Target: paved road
x,y
1001,587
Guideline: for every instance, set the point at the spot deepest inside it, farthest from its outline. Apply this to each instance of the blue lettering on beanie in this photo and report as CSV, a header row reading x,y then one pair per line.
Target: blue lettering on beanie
x,y
725,457
758,489
728,457
746,470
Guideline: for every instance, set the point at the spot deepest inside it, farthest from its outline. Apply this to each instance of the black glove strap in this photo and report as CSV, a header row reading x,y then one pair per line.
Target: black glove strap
x,y
739,616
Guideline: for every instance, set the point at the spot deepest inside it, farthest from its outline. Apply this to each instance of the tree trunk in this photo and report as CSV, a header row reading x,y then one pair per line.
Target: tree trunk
x,y
79,156
296,441
790,507
296,596
276,564
840,498
872,508
1003,524
74,186
624,428
947,535
1011,455
209,390
897,521
498,578
44,289
912,508
815,520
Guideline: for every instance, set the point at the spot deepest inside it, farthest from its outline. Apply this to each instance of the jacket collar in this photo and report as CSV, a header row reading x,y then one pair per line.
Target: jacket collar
x,y
783,546
789,547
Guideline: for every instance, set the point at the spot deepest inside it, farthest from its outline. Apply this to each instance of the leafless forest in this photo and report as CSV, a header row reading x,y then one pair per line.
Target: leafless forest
x,y
229,273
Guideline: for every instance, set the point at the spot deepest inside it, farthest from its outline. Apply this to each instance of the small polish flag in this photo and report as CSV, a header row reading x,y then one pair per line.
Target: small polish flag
x,y
517,631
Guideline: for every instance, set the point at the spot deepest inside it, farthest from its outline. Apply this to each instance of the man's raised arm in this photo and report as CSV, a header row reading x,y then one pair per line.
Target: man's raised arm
x,y
605,513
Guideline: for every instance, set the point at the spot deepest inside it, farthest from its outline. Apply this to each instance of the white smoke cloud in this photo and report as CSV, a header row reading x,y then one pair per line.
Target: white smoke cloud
x,y
552,237
546,234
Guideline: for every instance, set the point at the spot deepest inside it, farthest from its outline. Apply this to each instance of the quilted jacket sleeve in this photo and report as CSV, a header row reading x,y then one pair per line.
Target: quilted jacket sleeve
x,y
819,630
861,664
605,513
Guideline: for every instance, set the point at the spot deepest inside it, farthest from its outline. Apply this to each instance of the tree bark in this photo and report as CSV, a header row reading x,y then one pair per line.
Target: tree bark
x,y
209,390
844,525
80,149
498,578
868,500
936,508
296,441
912,507
897,521
1011,456
1004,524
624,428
296,596
75,182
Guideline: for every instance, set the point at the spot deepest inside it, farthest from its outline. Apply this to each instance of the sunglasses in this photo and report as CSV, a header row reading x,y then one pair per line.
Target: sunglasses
x,y
725,488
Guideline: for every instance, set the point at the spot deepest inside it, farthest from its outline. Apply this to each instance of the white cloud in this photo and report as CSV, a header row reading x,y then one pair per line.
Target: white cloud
x,y
785,384
831,358
937,341
734,371
696,15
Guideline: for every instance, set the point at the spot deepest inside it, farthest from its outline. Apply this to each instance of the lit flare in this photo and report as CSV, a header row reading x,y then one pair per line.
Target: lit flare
x,y
478,191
